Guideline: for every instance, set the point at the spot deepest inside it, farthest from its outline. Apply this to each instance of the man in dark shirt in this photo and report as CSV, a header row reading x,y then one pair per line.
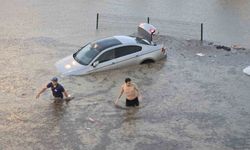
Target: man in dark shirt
x,y
56,88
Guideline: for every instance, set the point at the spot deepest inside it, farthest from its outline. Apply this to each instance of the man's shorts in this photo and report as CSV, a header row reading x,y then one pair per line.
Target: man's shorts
x,y
134,102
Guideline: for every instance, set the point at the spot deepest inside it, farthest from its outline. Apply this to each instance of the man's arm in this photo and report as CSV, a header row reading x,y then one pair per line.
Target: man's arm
x,y
65,93
38,95
122,90
137,90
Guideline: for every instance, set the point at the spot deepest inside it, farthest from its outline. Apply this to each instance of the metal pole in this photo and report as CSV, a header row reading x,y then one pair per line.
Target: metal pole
x,y
148,19
201,31
97,20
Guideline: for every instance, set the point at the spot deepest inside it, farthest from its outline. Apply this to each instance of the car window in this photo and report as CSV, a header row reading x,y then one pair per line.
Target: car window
x,y
106,56
126,50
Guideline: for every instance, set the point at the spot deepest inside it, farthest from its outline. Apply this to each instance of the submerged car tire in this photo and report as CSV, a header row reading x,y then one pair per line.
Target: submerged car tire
x,y
147,61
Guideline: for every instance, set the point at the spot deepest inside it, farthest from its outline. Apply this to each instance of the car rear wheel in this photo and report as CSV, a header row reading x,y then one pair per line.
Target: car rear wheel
x,y
147,61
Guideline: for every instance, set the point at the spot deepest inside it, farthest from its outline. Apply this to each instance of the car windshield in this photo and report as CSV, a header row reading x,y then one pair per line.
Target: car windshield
x,y
87,53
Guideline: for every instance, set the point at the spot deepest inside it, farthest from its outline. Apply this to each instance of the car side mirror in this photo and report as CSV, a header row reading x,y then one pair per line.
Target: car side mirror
x,y
95,63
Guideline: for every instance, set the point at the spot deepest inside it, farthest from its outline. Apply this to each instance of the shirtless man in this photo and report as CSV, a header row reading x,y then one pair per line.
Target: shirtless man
x,y
131,91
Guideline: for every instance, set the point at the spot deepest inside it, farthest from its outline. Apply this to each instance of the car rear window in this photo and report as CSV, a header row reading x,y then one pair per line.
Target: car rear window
x,y
141,41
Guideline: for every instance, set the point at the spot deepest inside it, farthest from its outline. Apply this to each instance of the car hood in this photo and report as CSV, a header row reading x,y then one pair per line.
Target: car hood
x,y
68,66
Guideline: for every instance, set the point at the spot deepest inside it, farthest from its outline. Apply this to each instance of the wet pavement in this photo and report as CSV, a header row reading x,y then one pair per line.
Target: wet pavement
x,y
190,102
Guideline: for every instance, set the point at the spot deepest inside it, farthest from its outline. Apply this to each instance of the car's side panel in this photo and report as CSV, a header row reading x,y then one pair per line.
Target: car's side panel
x,y
105,61
154,53
131,59
103,66
126,60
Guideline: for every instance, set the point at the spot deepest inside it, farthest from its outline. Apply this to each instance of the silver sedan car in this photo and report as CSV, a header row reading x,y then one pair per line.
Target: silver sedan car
x,y
110,53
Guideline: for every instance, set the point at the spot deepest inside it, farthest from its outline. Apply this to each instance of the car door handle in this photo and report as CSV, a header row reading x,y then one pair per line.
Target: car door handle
x,y
136,55
113,62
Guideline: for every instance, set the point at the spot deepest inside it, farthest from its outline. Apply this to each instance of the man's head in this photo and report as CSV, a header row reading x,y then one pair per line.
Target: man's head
x,y
128,81
54,80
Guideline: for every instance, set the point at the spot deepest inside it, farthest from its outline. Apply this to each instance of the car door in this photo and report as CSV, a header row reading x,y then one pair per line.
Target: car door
x,y
105,61
126,55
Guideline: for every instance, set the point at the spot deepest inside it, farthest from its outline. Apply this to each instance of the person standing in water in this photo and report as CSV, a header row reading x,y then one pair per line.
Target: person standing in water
x,y
56,88
132,93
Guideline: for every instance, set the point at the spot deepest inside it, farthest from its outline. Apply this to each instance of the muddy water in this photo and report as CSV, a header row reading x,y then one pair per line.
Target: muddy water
x,y
189,102
225,21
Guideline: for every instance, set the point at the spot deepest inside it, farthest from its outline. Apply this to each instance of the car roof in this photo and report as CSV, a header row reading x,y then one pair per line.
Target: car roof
x,y
125,39
108,42
102,44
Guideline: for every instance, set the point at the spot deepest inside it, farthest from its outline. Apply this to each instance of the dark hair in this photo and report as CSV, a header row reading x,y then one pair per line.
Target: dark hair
x,y
127,80
55,79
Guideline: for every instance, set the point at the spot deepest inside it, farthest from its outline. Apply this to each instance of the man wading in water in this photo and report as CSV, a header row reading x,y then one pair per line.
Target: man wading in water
x,y
132,93
56,88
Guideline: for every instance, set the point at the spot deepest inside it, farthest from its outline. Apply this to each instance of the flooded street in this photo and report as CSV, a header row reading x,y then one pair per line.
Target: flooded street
x,y
189,102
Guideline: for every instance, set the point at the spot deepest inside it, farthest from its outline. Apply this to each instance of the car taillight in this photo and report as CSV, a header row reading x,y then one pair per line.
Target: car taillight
x,y
152,31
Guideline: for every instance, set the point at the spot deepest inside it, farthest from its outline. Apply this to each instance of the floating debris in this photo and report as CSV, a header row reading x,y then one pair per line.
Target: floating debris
x,y
183,55
15,117
200,54
238,47
91,119
247,70
223,47
210,43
